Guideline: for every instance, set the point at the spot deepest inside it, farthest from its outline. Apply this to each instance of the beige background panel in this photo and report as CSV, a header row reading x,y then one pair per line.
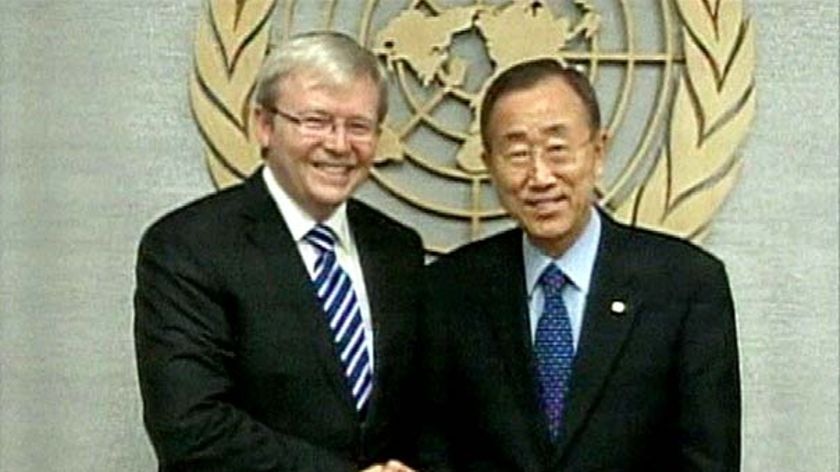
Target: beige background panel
x,y
97,140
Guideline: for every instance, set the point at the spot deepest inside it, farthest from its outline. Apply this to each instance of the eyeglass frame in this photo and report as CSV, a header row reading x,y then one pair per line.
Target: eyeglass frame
x,y
321,125
570,155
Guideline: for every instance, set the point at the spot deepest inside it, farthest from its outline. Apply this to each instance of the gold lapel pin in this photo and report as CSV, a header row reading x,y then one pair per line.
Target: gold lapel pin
x,y
618,307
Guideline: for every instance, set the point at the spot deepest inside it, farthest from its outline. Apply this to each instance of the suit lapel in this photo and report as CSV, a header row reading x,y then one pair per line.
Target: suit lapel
x,y
374,260
266,229
609,314
506,306
383,274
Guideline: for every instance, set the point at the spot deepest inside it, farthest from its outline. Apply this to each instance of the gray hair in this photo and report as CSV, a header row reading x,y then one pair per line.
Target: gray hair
x,y
336,56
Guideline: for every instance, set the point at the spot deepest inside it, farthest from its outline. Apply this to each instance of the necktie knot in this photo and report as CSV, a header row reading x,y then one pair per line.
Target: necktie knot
x,y
552,279
322,237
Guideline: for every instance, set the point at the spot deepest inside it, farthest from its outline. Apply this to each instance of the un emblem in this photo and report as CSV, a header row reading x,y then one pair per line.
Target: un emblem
x,y
674,77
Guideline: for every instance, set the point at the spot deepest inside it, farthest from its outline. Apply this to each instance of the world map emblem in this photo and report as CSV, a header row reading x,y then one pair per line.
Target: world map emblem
x,y
674,77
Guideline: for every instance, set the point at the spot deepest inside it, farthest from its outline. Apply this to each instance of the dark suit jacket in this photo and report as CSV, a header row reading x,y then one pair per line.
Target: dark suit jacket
x,y
655,388
236,364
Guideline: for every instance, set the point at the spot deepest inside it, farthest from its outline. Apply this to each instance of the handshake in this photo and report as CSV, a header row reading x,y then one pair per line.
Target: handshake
x,y
390,466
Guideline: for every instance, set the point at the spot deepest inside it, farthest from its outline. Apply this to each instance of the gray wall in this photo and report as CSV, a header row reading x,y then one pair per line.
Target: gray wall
x,y
96,140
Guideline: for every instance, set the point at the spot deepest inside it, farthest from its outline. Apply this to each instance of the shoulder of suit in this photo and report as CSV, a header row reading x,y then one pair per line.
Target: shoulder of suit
x,y
361,213
202,215
486,251
482,263
646,243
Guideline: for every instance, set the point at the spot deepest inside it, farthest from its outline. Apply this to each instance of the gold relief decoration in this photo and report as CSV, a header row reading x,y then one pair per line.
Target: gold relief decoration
x,y
710,116
671,166
231,42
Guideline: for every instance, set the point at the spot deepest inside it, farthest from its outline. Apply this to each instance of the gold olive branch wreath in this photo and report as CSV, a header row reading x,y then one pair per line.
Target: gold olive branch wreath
x,y
711,113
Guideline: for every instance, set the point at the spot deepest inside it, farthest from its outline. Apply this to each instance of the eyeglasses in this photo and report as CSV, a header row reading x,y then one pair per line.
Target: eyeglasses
x,y
555,155
320,125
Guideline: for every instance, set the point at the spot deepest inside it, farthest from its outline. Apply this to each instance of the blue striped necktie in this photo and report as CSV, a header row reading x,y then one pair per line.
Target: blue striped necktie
x,y
335,291
554,350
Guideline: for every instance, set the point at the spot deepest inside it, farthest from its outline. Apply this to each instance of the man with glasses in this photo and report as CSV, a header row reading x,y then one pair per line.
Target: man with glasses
x,y
575,343
275,321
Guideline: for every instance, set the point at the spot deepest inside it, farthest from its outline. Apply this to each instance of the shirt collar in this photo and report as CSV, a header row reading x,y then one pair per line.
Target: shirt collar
x,y
576,263
298,220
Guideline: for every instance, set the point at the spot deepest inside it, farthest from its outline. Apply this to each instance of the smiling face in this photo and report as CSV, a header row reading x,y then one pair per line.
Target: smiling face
x,y
545,158
319,170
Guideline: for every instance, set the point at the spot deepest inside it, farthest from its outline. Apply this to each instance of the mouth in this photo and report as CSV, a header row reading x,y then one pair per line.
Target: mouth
x,y
545,206
338,169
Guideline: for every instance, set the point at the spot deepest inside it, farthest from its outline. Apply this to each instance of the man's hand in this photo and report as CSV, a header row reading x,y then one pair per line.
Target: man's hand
x,y
390,466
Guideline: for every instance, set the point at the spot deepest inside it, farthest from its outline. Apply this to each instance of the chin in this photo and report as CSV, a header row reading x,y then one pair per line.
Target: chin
x,y
332,199
548,230
334,191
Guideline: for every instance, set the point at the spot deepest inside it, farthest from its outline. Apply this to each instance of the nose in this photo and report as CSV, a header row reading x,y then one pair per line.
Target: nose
x,y
541,171
336,141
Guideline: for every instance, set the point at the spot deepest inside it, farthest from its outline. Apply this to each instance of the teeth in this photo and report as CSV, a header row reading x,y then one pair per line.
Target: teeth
x,y
329,165
334,170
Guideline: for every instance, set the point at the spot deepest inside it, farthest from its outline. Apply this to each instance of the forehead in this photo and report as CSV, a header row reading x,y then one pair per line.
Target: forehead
x,y
550,105
358,94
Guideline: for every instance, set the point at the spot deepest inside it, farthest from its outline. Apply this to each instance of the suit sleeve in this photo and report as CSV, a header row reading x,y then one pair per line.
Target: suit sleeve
x,y
186,357
708,383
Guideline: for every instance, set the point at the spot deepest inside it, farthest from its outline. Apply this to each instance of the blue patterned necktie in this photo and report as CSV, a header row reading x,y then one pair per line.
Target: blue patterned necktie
x,y
554,349
335,291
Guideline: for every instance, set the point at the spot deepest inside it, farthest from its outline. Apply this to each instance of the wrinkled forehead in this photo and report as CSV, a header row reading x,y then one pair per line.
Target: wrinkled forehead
x,y
316,93
322,79
527,132
305,84
547,110
313,79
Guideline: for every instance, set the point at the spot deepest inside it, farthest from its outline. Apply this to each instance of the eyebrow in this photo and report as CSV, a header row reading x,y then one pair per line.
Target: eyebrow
x,y
326,113
556,129
553,130
514,136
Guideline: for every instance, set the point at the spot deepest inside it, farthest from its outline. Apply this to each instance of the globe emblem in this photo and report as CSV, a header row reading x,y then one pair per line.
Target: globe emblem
x,y
442,58
675,81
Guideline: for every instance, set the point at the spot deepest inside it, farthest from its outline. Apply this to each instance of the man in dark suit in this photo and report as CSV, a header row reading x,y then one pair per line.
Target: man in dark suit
x,y
275,321
575,343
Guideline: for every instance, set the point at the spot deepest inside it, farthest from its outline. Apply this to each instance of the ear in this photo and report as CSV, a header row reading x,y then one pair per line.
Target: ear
x,y
600,142
263,126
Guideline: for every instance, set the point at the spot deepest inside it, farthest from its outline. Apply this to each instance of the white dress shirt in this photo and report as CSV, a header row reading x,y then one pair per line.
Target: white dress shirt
x,y
300,223
576,263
